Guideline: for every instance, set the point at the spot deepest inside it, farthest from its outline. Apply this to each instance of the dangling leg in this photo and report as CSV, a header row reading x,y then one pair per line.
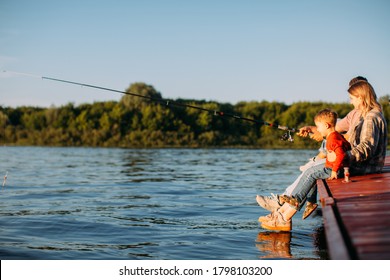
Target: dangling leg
x,y
281,219
311,203
272,202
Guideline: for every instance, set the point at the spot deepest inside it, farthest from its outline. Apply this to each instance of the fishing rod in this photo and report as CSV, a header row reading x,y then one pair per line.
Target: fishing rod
x,y
285,137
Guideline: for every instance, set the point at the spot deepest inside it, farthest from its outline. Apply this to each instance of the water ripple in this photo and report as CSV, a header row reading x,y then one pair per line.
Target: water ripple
x,y
93,203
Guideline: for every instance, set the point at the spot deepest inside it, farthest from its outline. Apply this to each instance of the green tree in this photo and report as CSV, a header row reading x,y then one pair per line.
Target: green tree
x,y
146,122
140,94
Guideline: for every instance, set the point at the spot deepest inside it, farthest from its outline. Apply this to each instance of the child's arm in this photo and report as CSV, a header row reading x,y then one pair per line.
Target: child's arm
x,y
340,155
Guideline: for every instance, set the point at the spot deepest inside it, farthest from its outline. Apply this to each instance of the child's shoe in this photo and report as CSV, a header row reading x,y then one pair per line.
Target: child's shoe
x,y
290,200
310,207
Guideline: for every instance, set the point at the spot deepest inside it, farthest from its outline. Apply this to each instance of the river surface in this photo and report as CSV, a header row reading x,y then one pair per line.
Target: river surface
x,y
145,204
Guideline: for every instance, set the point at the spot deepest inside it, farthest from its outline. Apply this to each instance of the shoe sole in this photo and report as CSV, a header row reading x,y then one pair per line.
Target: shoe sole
x,y
262,219
279,228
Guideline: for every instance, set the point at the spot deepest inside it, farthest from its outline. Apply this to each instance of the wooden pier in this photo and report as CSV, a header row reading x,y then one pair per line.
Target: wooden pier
x,y
357,216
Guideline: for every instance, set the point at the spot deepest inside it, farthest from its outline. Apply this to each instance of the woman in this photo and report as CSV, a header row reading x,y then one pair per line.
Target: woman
x,y
368,139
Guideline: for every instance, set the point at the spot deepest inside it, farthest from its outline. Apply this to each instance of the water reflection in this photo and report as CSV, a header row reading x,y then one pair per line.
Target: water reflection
x,y
320,243
274,245
290,245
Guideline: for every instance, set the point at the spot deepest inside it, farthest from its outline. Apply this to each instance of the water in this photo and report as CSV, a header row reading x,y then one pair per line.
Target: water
x,y
97,203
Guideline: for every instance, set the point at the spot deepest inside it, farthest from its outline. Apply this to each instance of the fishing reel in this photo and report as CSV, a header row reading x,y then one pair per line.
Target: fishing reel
x,y
287,137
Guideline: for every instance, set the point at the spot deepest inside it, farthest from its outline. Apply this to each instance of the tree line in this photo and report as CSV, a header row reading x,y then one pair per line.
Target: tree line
x,y
134,122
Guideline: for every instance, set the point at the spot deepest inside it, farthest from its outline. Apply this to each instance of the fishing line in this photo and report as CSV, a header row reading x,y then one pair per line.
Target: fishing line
x,y
21,73
167,102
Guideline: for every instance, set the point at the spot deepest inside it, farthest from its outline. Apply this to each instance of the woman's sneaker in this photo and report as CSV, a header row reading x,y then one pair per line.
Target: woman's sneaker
x,y
270,203
277,223
269,217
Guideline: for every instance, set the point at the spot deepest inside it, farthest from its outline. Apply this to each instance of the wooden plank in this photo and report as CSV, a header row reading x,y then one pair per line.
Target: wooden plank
x,y
324,194
334,237
358,213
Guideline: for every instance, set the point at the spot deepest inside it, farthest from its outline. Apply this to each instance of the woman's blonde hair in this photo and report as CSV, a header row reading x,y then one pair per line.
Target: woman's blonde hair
x,y
364,90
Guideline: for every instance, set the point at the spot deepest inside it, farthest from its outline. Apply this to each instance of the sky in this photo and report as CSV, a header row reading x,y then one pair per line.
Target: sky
x,y
224,51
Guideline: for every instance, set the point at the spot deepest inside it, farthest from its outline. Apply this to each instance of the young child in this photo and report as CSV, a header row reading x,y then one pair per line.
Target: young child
x,y
337,158
325,122
336,149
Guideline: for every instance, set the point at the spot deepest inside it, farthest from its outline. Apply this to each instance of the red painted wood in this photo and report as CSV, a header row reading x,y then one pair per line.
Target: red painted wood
x,y
361,210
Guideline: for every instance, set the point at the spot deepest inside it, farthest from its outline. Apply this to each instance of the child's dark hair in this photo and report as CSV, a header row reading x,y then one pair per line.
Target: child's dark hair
x,y
327,115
